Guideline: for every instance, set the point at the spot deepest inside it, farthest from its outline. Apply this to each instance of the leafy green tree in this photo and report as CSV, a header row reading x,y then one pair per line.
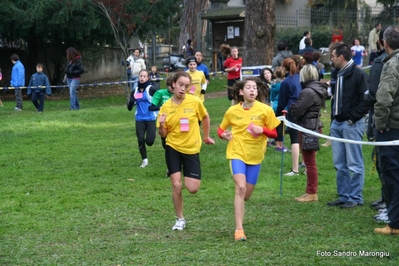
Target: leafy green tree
x,y
136,18
51,26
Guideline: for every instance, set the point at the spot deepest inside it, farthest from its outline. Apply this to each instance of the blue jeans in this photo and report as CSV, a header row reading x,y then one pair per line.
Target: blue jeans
x,y
135,82
38,100
348,160
73,97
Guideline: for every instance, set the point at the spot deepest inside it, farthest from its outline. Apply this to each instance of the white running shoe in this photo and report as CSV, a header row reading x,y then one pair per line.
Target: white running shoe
x,y
291,173
144,163
382,217
180,224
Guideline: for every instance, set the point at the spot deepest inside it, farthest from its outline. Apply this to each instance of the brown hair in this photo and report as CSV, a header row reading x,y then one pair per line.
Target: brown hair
x,y
279,72
290,66
178,75
299,62
72,54
316,55
40,65
168,80
239,85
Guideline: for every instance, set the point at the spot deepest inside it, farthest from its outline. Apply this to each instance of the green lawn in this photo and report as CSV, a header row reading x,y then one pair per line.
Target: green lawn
x,y
72,193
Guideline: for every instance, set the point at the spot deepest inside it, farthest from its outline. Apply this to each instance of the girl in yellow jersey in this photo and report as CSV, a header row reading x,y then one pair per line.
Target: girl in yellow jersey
x,y
198,81
178,122
251,123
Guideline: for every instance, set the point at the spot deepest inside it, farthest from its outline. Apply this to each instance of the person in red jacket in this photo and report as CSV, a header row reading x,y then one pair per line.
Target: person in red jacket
x,y
232,66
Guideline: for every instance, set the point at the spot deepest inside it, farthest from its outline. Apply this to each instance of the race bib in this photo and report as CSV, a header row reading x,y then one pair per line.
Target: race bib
x,y
251,130
184,126
138,95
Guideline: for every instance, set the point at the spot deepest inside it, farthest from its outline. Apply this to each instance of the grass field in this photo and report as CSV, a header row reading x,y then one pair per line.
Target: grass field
x,y
72,193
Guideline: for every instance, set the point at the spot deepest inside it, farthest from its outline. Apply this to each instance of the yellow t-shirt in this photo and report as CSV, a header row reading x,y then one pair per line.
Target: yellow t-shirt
x,y
182,124
197,79
245,146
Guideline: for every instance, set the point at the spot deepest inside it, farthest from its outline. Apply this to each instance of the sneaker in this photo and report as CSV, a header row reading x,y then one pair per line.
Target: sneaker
x,y
180,224
282,149
382,218
144,163
382,210
17,109
291,173
302,165
377,202
239,235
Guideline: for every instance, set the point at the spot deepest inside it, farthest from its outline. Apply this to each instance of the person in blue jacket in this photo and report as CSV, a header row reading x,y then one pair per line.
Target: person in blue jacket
x,y
17,80
38,87
141,96
289,91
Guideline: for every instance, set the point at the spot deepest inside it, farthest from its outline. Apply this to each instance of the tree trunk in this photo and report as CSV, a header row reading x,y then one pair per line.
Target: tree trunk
x,y
259,32
188,25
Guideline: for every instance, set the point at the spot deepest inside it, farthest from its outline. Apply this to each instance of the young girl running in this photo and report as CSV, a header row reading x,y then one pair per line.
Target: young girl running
x,y
251,122
178,122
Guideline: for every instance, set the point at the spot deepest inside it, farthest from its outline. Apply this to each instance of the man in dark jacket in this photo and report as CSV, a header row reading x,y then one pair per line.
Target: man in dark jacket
x,y
282,54
349,109
308,47
369,97
386,117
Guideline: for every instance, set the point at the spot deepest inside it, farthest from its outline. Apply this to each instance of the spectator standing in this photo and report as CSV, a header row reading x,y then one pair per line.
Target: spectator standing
x,y
373,42
308,46
282,54
348,113
155,77
39,79
289,91
306,34
251,122
178,123
136,64
17,80
319,66
232,66
274,92
358,52
386,114
73,70
189,49
369,96
306,110
266,77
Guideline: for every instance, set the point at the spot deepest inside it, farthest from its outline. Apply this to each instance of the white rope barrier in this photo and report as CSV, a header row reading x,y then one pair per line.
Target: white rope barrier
x,y
371,143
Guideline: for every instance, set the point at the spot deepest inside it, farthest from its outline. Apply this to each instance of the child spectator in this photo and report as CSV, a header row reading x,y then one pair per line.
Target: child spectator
x,y
17,80
274,92
154,77
38,86
319,66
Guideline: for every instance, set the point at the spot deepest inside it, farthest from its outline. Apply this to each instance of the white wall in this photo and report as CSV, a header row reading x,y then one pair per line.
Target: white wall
x,y
235,3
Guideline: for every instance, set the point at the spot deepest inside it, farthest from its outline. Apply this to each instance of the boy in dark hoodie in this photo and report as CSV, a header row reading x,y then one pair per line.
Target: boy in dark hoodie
x,y
38,86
